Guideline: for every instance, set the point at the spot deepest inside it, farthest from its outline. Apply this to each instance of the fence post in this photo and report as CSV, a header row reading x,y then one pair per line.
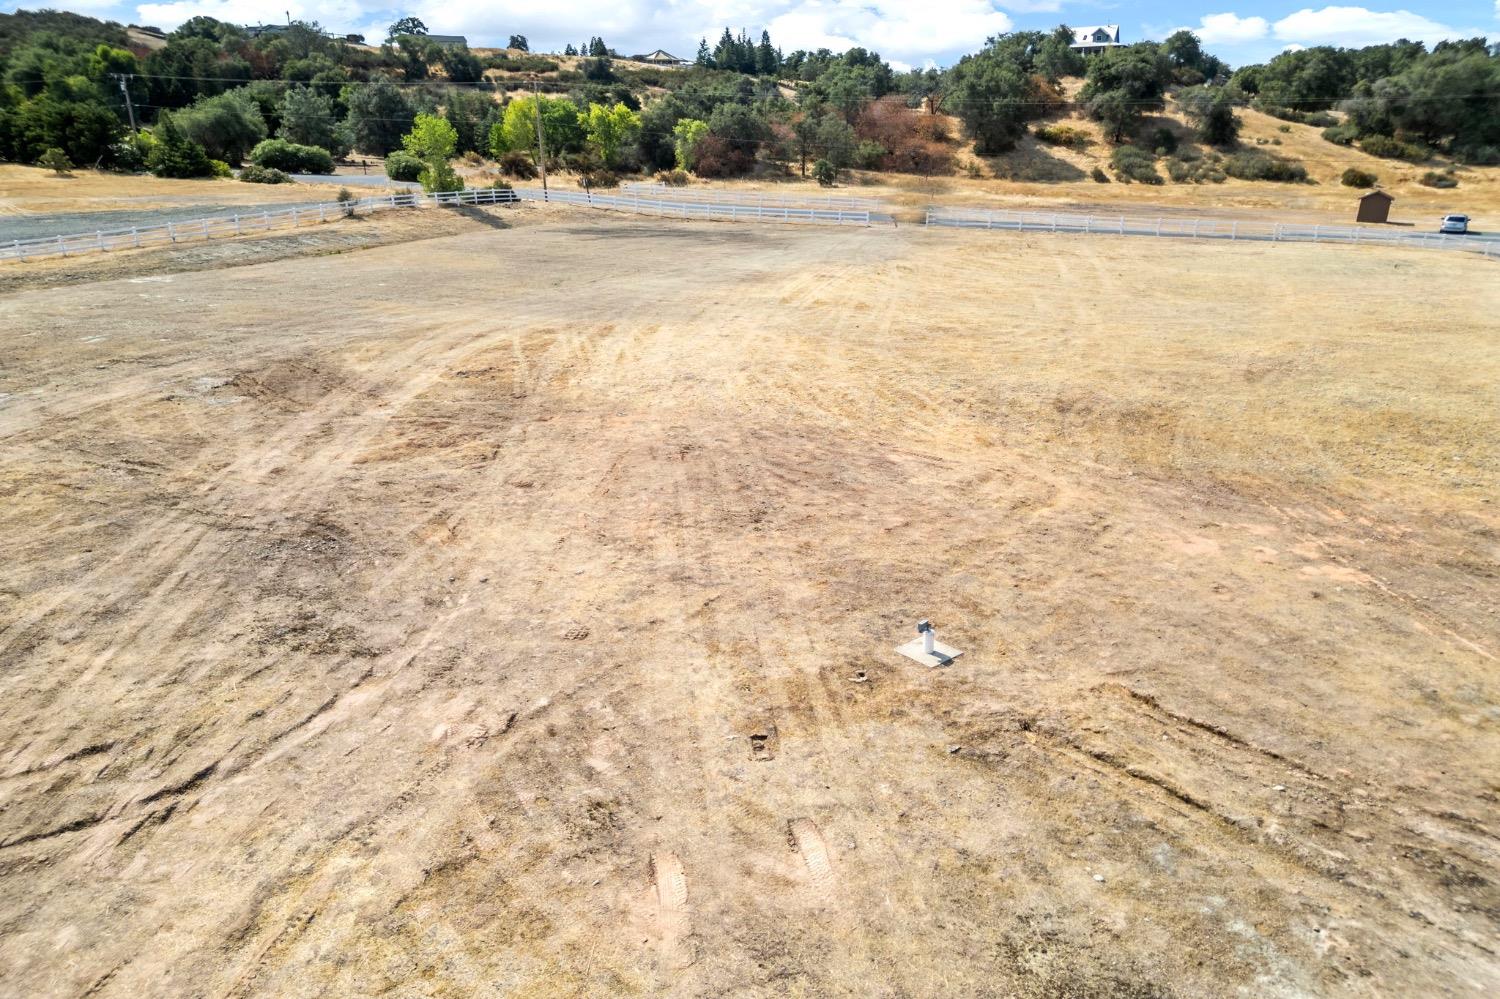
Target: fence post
x,y
1195,228
20,252
171,233
62,247
1234,231
294,216
135,236
1158,225
322,217
99,235
205,228
1316,229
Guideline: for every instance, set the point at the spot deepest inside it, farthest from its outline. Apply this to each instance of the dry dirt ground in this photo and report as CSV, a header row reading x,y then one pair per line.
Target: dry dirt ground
x,y
512,613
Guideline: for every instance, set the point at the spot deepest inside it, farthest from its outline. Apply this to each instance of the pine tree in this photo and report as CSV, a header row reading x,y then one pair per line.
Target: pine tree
x,y
766,62
705,57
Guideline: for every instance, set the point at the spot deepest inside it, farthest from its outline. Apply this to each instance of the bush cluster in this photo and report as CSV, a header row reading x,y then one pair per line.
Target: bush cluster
x,y
1341,135
254,174
673,178
280,154
1444,180
1134,164
1063,135
517,164
1393,149
401,165
1256,165
1355,177
1100,177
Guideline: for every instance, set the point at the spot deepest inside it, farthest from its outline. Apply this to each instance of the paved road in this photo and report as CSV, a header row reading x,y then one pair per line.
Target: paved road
x,y
354,180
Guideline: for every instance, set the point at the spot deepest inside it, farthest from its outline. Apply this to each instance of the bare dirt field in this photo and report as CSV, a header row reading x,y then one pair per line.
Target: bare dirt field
x,y
512,613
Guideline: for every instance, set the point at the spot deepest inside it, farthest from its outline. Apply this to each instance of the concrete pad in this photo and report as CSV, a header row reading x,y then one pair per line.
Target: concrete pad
x,y
941,655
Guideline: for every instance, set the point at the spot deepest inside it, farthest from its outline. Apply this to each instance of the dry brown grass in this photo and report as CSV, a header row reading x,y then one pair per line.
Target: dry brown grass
x,y
485,613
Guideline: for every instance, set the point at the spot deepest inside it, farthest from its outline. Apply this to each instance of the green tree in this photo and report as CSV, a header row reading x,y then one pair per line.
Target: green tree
x,y
686,135
57,161
825,173
405,26
379,115
518,42
460,65
609,128
992,96
1211,109
432,140
307,118
1123,84
174,154
471,113
516,130
226,125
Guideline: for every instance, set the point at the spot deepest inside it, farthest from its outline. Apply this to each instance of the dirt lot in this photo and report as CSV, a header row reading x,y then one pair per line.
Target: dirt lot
x,y
512,613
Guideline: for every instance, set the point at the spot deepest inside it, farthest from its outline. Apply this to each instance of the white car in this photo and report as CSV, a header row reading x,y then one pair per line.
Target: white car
x,y
1458,224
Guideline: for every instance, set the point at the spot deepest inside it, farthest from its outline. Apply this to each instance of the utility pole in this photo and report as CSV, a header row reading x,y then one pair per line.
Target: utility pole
x,y
125,89
541,144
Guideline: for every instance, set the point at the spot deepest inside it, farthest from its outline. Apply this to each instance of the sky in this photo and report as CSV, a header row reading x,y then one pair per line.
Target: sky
x,y
906,32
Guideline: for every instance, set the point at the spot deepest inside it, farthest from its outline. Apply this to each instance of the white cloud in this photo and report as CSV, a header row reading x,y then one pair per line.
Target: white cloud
x,y
903,31
1231,29
1355,26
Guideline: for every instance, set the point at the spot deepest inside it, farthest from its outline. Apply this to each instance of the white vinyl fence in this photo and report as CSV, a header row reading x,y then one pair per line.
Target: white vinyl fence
x,y
671,205
707,195
674,206
219,226
1202,228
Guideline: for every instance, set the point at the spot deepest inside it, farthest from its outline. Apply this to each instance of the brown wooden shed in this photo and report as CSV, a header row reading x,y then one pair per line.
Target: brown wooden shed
x,y
1375,207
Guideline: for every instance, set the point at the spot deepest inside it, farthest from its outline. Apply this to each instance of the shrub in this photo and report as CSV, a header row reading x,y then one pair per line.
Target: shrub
x,y
1063,135
402,165
220,168
280,154
673,178
253,174
1355,177
1341,135
1100,177
598,178
1180,172
1477,154
714,156
56,160
1254,165
518,165
1392,149
1443,180
973,170
345,195
1319,119
472,158
1132,163
867,155
1283,128
174,154
824,173
1163,140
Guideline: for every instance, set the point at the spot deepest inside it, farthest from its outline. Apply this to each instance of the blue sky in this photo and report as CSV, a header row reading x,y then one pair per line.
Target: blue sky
x,y
908,32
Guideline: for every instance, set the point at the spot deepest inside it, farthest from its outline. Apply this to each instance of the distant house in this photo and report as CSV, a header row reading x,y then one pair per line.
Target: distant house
x,y
454,41
1374,207
257,30
1095,39
661,57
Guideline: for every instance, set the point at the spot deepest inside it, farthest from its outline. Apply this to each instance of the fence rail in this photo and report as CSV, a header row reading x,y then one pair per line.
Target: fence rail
x,y
640,203
219,226
1202,228
653,190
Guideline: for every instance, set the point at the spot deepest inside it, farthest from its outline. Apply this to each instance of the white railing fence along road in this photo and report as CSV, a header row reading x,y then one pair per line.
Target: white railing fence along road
x,y
1202,228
